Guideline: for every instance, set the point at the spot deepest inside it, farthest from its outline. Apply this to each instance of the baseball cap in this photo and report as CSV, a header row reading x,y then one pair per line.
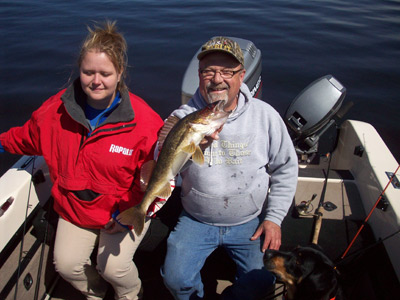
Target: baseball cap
x,y
222,44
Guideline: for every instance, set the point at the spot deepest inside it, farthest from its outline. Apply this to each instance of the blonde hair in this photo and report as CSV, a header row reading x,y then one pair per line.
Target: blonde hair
x,y
108,40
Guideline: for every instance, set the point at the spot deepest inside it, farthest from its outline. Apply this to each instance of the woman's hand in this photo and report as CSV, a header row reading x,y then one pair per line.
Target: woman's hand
x,y
113,227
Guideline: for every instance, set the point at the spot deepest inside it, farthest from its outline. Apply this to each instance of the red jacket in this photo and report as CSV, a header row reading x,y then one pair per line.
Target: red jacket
x,y
92,175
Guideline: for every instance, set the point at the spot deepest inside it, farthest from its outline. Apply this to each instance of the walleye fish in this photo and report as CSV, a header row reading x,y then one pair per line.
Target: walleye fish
x,y
179,140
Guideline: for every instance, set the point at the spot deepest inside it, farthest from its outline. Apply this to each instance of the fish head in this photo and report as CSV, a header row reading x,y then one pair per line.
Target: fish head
x,y
213,116
214,111
218,105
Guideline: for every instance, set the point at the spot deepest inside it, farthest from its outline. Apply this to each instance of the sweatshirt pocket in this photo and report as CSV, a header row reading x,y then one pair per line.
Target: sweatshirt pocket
x,y
221,210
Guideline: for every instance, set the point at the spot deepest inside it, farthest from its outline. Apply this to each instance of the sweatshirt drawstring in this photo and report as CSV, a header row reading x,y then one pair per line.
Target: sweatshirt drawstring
x,y
211,155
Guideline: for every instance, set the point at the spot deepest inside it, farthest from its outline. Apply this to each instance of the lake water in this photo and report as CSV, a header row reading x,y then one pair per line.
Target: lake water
x,y
356,41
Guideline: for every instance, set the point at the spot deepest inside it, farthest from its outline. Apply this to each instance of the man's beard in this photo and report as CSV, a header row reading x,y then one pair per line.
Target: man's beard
x,y
216,97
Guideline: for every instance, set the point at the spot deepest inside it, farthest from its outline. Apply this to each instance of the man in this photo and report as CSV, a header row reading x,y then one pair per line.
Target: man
x,y
225,200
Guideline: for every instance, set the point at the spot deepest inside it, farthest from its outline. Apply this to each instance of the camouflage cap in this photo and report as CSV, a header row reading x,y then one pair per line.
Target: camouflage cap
x,y
223,44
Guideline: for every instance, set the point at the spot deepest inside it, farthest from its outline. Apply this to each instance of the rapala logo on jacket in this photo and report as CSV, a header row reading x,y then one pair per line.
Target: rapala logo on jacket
x,y
120,150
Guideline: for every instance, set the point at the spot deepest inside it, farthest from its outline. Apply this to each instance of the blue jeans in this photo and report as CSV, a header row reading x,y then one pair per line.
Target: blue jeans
x,y
192,242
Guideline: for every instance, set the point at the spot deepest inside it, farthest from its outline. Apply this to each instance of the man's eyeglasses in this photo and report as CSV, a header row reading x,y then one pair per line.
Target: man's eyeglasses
x,y
225,73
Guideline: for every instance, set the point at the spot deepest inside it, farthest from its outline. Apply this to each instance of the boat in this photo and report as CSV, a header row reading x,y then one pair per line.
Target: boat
x,y
348,181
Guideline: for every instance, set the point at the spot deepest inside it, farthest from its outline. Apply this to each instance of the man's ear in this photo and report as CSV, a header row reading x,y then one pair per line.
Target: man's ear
x,y
242,75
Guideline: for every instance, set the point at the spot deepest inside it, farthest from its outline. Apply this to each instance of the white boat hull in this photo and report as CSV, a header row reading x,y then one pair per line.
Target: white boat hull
x,y
369,171
17,183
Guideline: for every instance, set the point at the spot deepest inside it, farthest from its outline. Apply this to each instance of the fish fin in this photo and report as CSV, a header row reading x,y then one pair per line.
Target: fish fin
x,y
169,123
145,174
191,148
198,156
165,192
133,216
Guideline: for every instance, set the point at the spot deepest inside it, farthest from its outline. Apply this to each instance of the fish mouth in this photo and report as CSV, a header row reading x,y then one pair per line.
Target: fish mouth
x,y
220,104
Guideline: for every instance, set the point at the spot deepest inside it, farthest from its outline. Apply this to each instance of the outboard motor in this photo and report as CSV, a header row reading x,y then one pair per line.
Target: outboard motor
x,y
312,112
252,64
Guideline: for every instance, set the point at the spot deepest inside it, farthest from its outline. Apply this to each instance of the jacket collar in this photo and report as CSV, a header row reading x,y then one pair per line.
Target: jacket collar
x,y
74,100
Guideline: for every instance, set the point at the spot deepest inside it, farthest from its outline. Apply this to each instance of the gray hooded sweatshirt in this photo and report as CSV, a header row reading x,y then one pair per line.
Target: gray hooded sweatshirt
x,y
251,170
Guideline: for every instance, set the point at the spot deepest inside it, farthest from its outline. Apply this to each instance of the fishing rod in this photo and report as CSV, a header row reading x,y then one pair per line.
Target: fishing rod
x,y
322,205
319,212
362,250
24,228
370,213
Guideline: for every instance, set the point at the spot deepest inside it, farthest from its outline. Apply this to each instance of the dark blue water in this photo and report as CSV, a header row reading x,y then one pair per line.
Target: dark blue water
x,y
356,41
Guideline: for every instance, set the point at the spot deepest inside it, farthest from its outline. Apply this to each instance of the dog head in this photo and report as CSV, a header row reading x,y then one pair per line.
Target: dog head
x,y
306,272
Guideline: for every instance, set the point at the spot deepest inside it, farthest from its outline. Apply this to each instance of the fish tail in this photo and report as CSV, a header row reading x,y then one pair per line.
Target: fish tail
x,y
138,219
133,216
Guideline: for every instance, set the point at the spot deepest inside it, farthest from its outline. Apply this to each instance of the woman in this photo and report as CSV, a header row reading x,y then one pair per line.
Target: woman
x,y
95,135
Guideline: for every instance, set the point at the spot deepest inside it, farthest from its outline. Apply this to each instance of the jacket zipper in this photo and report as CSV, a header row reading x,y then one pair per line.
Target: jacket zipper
x,y
112,129
84,137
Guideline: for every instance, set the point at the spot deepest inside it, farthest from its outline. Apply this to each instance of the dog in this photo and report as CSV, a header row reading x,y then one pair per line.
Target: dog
x,y
306,272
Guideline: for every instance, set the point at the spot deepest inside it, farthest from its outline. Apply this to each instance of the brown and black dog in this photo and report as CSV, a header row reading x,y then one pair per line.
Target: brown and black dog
x,y
307,273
